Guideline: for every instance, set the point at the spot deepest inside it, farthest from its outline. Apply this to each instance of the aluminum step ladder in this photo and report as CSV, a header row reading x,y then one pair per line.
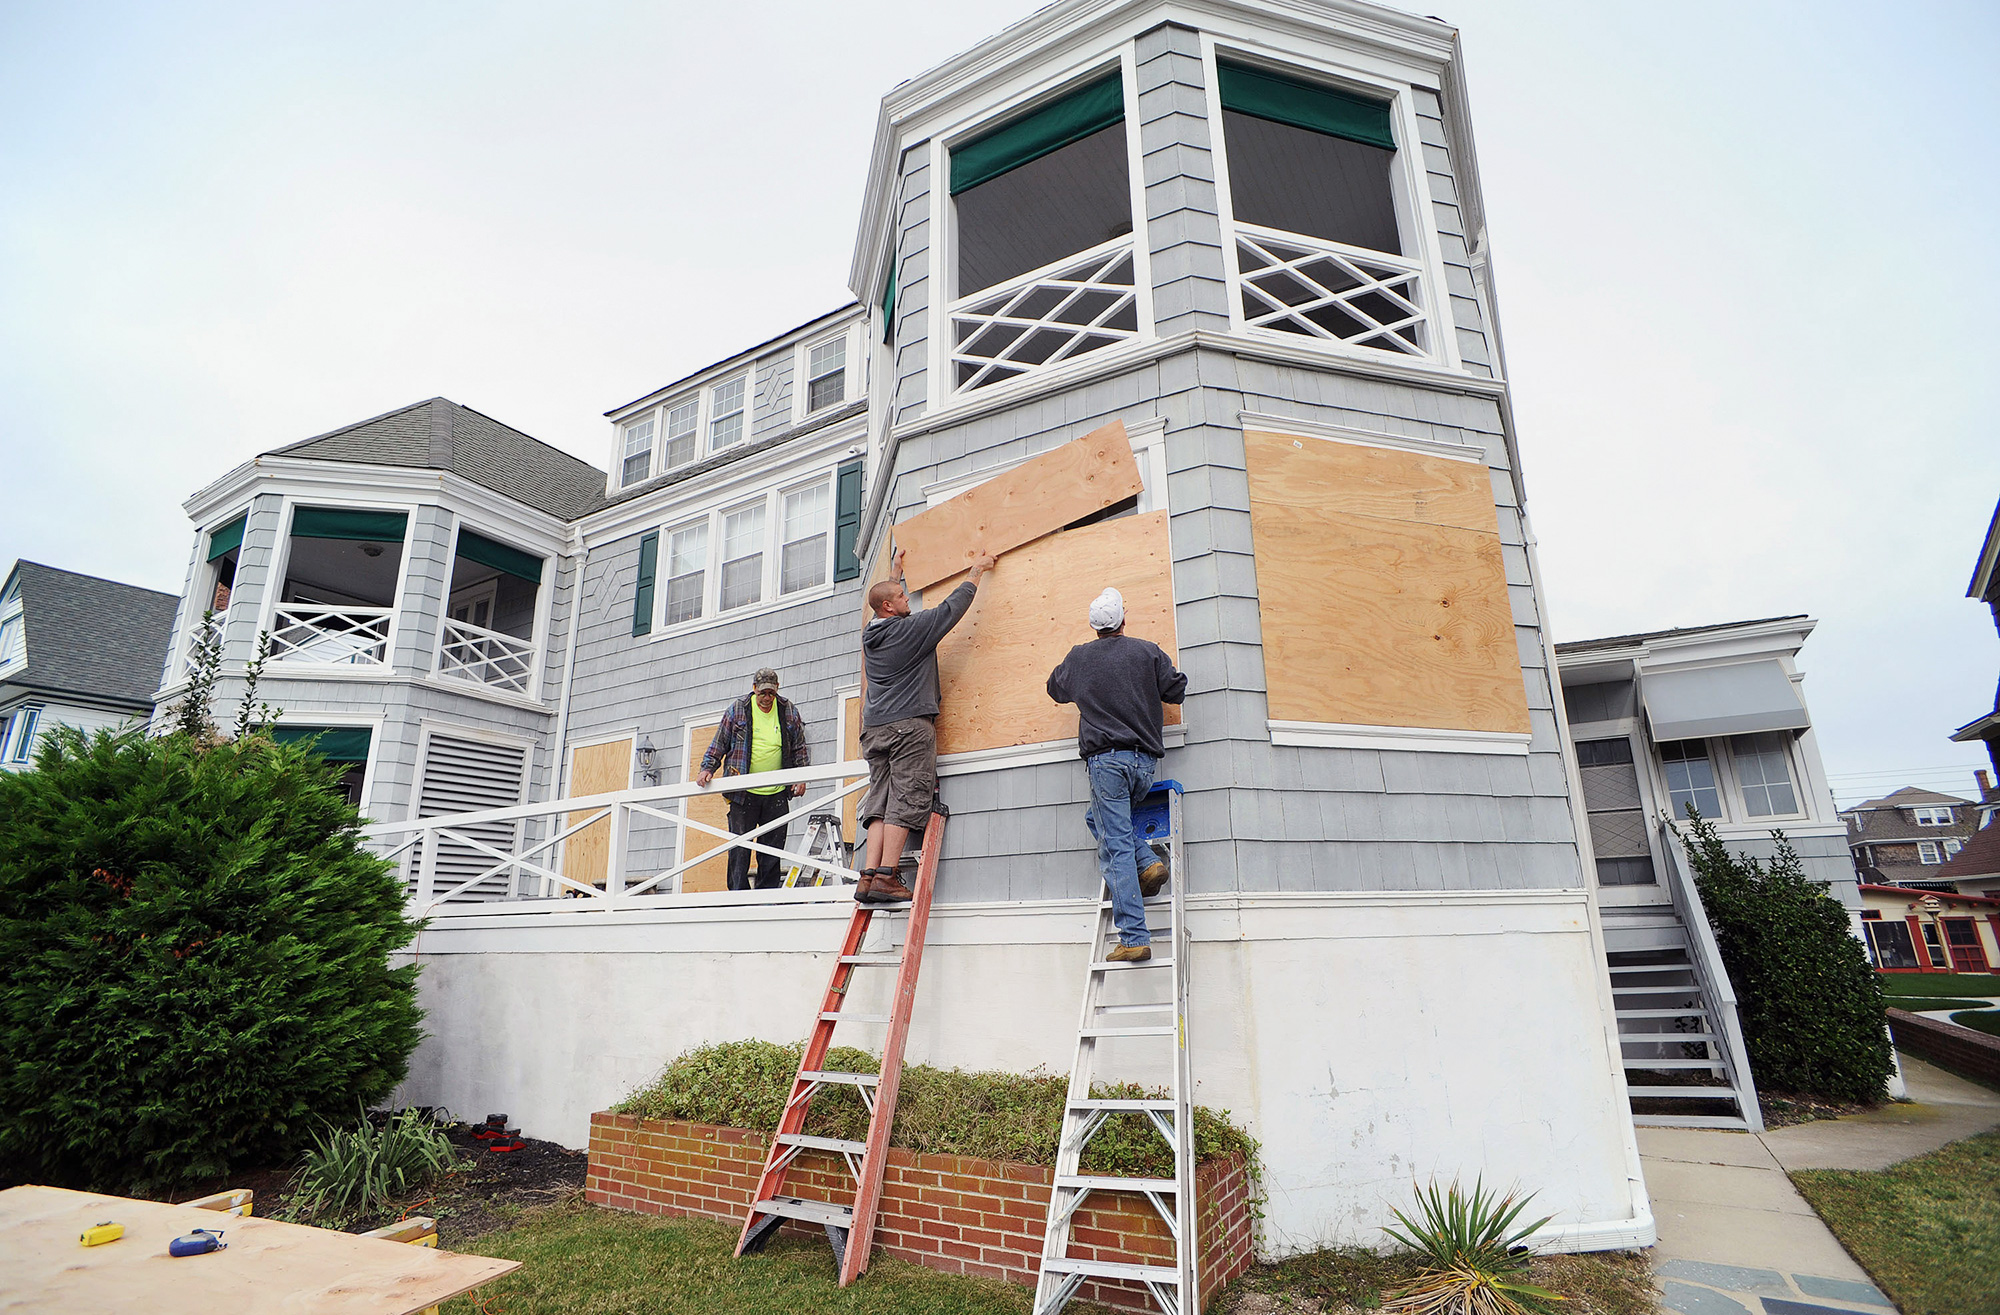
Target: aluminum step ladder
x,y
850,1228
823,842
1160,1016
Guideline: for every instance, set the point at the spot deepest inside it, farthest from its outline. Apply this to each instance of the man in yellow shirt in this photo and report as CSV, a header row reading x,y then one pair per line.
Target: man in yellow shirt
x,y
760,732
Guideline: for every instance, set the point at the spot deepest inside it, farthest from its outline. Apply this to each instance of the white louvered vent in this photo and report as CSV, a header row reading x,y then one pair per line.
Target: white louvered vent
x,y
467,776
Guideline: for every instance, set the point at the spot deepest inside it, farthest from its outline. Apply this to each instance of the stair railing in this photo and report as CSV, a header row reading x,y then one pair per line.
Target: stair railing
x,y
1705,957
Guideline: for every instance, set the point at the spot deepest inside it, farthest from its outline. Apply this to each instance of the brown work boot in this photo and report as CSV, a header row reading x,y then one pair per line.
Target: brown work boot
x,y
1130,954
1153,880
864,889
889,888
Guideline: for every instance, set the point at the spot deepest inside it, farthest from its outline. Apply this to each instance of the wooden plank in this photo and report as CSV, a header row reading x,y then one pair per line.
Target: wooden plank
x,y
595,769
710,808
1035,605
1035,498
1379,620
1307,472
268,1266
850,751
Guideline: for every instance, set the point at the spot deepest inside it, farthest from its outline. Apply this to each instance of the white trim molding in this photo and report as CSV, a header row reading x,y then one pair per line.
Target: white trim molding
x,y
1030,755
1264,422
1423,739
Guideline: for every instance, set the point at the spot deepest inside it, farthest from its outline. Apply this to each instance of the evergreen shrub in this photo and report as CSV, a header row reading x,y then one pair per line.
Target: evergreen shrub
x,y
1809,1000
990,1116
194,964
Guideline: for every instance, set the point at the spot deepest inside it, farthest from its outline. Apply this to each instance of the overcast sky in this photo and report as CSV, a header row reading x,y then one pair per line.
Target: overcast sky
x,y
1745,254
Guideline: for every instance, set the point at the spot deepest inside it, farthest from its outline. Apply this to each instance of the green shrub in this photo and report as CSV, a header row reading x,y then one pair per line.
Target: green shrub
x,y
992,1116
1474,1253
1809,1000
366,1165
193,960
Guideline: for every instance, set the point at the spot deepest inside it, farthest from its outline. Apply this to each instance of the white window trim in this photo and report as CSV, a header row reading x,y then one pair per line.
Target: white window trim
x,y
1929,853
705,442
1416,221
857,344
12,612
346,721
537,632
564,788
10,755
712,510
204,593
657,416
1789,745
1657,761
281,561
703,395
1928,815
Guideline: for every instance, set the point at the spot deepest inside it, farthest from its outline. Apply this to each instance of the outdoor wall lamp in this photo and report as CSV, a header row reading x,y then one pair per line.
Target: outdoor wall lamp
x,y
649,761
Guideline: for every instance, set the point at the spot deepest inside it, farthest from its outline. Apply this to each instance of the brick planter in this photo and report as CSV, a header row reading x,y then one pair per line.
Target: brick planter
x,y
951,1213
1961,1049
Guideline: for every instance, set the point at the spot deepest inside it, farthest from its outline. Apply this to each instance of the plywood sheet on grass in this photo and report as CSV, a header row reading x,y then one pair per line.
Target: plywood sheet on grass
x,y
1035,605
594,769
1037,497
1381,588
710,808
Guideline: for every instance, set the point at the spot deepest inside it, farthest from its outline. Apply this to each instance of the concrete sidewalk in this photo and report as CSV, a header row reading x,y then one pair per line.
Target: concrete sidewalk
x,y
1736,1238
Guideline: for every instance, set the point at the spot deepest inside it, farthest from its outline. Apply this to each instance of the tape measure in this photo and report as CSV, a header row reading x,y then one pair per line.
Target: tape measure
x,y
198,1243
102,1233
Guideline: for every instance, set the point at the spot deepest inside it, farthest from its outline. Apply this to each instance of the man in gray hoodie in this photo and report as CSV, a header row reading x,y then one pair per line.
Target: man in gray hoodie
x,y
899,722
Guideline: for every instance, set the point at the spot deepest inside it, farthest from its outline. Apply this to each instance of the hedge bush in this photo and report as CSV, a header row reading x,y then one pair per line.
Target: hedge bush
x,y
991,1116
193,960
1809,1000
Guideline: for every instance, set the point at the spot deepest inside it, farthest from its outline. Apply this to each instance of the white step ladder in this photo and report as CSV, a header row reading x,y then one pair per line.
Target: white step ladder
x,y
1161,1016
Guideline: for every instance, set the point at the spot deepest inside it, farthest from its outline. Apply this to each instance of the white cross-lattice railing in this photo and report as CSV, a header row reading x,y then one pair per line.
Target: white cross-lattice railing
x,y
531,866
1325,290
486,657
1078,304
346,636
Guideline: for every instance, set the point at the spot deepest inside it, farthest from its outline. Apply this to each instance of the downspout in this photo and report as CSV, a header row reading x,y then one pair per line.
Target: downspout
x,y
579,558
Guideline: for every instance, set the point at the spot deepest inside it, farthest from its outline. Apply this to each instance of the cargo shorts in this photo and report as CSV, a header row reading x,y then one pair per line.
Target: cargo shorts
x,y
902,772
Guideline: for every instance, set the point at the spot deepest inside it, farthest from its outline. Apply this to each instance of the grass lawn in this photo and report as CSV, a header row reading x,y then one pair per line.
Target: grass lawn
x,y
1917,1004
1927,1229
1940,983
579,1260
1980,1020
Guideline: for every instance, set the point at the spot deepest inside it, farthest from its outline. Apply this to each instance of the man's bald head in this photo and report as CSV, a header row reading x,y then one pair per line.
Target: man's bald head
x,y
883,597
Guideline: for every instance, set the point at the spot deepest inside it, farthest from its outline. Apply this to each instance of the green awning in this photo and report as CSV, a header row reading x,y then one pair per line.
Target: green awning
x,y
348,523
475,547
227,539
336,744
1084,111
1266,95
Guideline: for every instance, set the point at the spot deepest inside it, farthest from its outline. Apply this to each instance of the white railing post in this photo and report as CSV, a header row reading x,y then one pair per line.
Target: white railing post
x,y
614,864
427,867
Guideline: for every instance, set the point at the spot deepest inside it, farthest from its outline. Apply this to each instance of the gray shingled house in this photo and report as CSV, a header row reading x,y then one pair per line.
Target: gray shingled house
x,y
75,650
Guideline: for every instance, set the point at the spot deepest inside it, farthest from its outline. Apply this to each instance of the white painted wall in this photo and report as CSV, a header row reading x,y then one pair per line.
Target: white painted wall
x,y
1366,1040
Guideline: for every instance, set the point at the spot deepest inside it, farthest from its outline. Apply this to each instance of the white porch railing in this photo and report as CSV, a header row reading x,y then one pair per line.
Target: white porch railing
x,y
1061,311
345,636
1706,958
1326,290
486,657
638,869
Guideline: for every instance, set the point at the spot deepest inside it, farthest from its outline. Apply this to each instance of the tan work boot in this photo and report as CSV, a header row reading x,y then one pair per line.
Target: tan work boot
x,y
1153,880
1130,954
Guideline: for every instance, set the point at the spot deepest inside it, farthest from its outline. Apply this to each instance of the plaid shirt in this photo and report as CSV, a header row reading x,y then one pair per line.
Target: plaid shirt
x,y
730,749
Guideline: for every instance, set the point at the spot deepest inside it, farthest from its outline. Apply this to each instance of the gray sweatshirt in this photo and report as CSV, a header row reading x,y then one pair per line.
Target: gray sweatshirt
x,y
899,658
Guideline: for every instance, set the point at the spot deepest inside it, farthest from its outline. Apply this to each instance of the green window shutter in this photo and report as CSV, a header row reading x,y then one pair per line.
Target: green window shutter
x,y
642,600
889,302
477,547
336,744
846,521
1280,99
346,523
227,539
1084,111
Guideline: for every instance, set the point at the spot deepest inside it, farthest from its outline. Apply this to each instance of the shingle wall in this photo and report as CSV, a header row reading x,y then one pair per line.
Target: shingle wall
x,y
1467,313
1182,230
913,286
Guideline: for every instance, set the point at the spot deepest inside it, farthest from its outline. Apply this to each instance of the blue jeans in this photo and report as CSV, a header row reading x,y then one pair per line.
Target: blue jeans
x,y
1120,779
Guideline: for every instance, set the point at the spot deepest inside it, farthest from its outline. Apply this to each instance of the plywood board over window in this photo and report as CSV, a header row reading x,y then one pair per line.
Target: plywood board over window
x,y
594,769
1381,588
994,666
1037,497
710,808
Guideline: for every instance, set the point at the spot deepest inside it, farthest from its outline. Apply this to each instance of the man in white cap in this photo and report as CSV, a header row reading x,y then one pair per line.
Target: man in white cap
x,y
1118,683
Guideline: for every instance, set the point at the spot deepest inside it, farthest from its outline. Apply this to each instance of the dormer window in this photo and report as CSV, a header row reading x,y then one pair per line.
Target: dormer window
x,y
725,415
826,374
1044,227
638,451
1932,816
13,637
683,422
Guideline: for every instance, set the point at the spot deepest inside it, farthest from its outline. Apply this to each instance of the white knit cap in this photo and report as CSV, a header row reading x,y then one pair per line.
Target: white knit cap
x,y
1107,612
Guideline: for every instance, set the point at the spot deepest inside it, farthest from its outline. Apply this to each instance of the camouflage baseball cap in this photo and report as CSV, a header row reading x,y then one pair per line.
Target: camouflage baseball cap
x,y
765,679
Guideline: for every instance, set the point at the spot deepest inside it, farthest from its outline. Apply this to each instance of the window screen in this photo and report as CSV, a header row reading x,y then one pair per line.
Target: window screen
x,y
1617,821
1066,201
1299,181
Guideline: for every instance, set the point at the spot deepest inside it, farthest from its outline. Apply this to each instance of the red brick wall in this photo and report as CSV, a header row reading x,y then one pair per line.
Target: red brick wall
x,y
1960,1049
951,1213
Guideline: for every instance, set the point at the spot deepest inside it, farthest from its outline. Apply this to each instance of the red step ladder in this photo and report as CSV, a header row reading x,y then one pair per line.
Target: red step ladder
x,y
850,1228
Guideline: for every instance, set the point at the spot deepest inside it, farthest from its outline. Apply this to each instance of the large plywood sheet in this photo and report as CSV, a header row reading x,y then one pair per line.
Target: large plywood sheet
x,y
710,808
850,751
594,769
267,1266
1035,498
1371,614
1035,605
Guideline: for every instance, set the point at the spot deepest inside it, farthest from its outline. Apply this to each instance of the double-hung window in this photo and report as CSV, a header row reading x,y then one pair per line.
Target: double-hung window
x,y
10,638
742,556
683,423
1928,853
725,413
804,555
1932,816
20,743
638,462
1690,778
1763,771
687,563
826,374
756,551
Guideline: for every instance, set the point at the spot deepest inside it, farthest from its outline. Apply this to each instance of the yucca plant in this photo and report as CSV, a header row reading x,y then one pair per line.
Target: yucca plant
x,y
1474,1263
365,1166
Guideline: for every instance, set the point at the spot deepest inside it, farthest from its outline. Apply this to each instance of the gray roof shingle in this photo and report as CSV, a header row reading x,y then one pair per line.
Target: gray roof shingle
x,y
439,434
92,637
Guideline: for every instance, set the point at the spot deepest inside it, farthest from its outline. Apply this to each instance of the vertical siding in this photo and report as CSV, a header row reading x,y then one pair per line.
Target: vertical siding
x,y
914,286
1180,224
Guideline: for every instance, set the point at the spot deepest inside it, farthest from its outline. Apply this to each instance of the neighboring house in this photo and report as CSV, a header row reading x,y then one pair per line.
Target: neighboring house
x,y
1976,868
1985,587
75,651
1712,717
1912,931
1251,234
1908,835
